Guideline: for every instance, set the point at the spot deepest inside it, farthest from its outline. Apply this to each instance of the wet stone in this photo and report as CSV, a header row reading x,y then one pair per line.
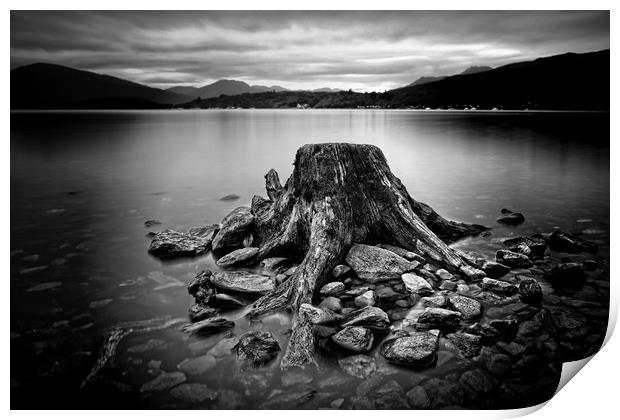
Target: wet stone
x,y
387,294
438,301
233,230
416,284
369,317
562,241
355,339
506,327
365,299
499,364
418,349
389,396
238,257
172,244
448,285
477,384
444,393
193,393
375,264
224,347
359,366
512,259
332,289
224,300
340,271
443,274
530,291
199,311
201,280
439,318
498,286
197,365
567,276
418,398
494,269
509,217
468,345
257,346
488,335
317,316
152,222
332,303
165,380
242,282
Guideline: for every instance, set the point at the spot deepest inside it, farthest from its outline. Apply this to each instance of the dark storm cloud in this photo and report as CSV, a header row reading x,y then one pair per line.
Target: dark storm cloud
x,y
348,49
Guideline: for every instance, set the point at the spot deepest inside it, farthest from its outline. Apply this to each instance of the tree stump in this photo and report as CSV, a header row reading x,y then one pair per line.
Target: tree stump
x,y
337,195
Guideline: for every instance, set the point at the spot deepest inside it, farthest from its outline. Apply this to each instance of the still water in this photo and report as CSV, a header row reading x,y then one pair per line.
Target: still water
x,y
84,183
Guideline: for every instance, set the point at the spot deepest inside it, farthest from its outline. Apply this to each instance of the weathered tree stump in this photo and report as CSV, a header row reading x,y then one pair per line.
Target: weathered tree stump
x,y
337,195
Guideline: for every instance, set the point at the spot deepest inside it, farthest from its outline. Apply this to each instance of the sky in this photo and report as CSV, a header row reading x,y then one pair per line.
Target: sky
x,y
363,51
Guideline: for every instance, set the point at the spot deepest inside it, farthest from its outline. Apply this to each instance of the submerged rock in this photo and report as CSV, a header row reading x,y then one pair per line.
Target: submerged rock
x,y
207,231
498,286
199,311
530,291
172,244
355,339
567,276
164,381
375,264
258,346
243,282
332,289
197,365
369,317
234,229
193,393
209,326
509,217
468,345
561,241
224,347
238,257
389,396
439,318
468,307
416,284
418,349
359,366
152,222
513,259
418,398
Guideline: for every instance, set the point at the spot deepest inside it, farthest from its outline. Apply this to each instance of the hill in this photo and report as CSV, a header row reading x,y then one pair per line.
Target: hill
x,y
224,87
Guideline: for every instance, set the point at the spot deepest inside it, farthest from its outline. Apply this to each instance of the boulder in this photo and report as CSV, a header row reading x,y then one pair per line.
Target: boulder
x,y
242,282
511,218
200,280
209,326
332,289
340,271
416,284
498,286
439,318
567,276
331,303
355,339
494,269
468,307
563,242
257,346
375,264
530,291
513,259
418,349
238,257
199,311
172,244
532,247
468,345
369,317
365,299
233,229
359,366
401,252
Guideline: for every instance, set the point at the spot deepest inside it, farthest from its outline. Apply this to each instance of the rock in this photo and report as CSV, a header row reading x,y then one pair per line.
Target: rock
x,y
418,398
438,301
332,303
418,349
152,222
532,247
209,326
243,282
199,311
416,284
234,229
439,318
499,364
369,317
512,259
203,295
567,276
207,231
230,197
355,339
365,299
375,264
477,384
332,289
488,335
227,301
401,252
296,377
590,265
443,274
498,286
171,244
530,292
257,346
340,270
357,291
468,307
359,366
337,403
389,396
164,381
273,262
472,273
316,315
224,347
511,218
512,348
444,393
507,328
563,242
201,280
462,289
468,345
193,393
287,400
387,294
197,365
495,270
448,285
238,257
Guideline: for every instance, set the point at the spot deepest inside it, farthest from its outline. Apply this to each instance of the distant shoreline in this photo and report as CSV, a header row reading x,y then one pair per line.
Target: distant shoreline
x,y
454,111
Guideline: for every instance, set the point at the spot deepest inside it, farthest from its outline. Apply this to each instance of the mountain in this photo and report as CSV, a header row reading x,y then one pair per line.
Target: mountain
x,y
426,79
476,69
51,86
567,81
223,87
326,89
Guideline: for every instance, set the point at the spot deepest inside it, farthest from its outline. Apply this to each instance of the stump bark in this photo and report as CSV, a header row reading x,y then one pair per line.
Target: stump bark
x,y
337,195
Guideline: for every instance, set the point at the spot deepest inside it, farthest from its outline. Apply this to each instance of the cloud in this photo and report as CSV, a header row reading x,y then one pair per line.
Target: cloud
x,y
363,50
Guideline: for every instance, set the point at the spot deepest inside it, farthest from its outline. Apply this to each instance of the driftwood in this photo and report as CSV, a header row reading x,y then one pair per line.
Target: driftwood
x,y
116,334
337,195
